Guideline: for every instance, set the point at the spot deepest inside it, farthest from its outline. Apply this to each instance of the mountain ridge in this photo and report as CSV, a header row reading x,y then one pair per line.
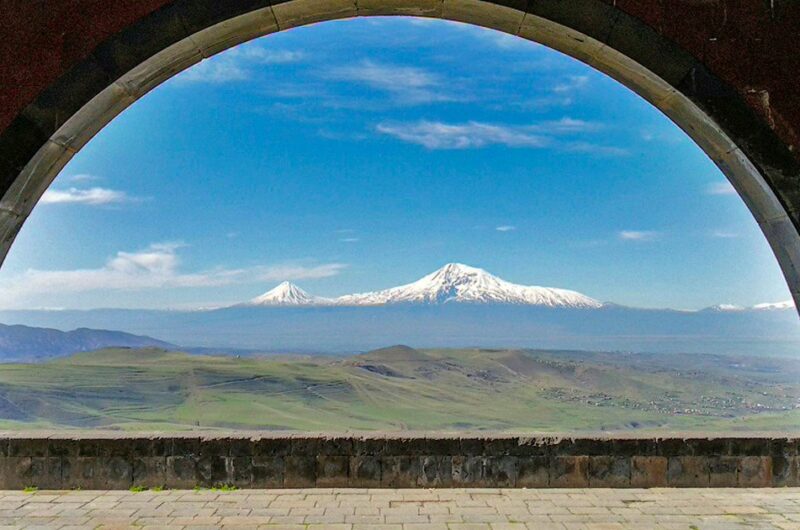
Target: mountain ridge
x,y
452,283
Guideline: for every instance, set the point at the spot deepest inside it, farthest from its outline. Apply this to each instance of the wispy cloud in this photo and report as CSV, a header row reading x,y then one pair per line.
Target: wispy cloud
x,y
267,56
349,240
217,70
638,235
80,177
720,188
475,135
595,149
723,234
505,228
571,84
156,267
439,135
236,65
89,196
407,84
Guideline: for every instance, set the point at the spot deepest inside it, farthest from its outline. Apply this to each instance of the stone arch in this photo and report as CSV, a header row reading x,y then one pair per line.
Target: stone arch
x,y
164,37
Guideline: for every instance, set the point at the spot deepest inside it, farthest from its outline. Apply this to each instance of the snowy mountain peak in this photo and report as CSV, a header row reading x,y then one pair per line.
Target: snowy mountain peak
x,y
456,282
286,293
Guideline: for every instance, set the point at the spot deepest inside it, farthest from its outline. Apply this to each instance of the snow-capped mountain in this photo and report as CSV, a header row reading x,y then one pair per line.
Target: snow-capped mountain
x,y
456,282
287,293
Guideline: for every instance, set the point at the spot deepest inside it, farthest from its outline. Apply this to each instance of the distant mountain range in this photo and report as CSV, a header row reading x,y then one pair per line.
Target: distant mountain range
x,y
455,306
453,283
25,343
459,283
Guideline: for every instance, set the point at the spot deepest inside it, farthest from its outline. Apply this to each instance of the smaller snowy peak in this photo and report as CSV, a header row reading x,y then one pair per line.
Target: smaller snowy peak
x,y
773,306
286,293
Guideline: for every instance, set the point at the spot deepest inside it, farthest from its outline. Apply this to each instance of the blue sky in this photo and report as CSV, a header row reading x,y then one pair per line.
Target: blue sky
x,y
358,155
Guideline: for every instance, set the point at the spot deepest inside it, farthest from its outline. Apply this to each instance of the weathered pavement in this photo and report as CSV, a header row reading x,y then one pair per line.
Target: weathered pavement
x,y
412,509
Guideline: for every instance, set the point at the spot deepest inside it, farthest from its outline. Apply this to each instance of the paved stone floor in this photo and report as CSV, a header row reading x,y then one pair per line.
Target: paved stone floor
x,y
453,509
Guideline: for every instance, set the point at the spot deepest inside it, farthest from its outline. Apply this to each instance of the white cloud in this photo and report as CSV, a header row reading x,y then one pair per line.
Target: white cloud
x,y
217,70
720,188
722,234
235,65
638,235
473,135
267,56
349,240
81,177
408,84
571,84
505,228
90,196
156,267
438,135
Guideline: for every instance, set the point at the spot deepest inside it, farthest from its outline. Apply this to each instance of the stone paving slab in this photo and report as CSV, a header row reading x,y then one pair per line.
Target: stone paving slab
x,y
405,509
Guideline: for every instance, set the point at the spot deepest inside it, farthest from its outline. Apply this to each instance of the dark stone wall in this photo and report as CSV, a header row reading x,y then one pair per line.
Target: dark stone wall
x,y
395,462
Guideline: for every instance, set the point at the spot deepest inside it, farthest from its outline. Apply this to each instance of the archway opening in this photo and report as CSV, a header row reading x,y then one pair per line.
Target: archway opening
x,y
515,141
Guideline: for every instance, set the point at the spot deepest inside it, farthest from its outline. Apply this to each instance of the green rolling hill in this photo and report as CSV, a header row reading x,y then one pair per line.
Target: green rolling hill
x,y
401,388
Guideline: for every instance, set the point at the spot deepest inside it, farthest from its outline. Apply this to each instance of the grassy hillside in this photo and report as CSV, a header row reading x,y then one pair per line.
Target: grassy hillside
x,y
402,388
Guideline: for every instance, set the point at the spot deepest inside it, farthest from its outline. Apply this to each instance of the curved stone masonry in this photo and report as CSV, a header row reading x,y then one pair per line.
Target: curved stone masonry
x,y
401,460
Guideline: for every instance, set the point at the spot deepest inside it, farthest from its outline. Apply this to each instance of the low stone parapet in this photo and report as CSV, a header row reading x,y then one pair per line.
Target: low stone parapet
x,y
113,461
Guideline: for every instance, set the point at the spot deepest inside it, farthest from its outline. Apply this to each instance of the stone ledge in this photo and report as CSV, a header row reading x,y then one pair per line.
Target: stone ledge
x,y
88,460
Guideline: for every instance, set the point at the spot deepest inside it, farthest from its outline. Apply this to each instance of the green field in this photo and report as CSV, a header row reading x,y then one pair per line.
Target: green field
x,y
401,388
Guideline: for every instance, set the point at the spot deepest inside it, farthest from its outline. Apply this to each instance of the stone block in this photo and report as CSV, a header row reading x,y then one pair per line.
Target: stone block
x,y
413,8
435,471
22,471
471,447
212,470
400,471
300,471
301,12
186,447
785,471
272,447
533,472
369,447
468,471
688,471
268,471
500,471
335,446
21,447
609,471
755,472
365,471
150,471
97,472
723,471
333,471
648,471
182,472
240,471
506,18
749,447
569,471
